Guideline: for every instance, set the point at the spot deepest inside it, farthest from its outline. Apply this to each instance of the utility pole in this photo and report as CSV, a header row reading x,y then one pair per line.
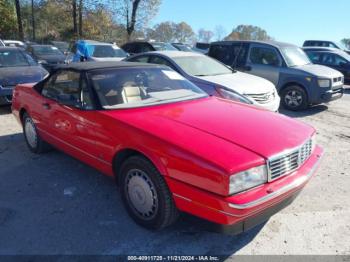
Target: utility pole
x,y
33,20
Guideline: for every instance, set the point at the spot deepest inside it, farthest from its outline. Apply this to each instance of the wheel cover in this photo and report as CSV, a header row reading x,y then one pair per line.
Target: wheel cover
x,y
30,132
141,194
293,98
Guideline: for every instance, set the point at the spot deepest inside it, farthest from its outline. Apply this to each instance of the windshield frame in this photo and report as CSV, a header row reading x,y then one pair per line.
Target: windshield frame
x,y
287,58
123,106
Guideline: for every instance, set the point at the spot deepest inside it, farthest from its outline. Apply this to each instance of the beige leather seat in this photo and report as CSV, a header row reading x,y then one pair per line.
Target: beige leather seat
x,y
131,94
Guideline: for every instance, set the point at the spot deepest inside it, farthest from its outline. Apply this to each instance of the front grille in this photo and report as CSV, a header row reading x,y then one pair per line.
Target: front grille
x,y
286,163
337,79
263,98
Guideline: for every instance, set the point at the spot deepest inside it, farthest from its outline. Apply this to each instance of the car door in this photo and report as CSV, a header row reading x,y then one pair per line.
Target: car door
x,y
69,116
264,61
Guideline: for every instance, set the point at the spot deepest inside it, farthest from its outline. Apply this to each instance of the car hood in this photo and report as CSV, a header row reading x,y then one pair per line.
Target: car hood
x,y
262,132
106,59
242,83
11,76
51,58
319,70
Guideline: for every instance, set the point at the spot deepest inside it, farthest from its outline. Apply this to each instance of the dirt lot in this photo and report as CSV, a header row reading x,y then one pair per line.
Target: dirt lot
x,y
53,204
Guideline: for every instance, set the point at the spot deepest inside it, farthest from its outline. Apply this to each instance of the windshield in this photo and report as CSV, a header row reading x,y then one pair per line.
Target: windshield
x,y
163,46
107,51
46,50
136,87
11,58
201,65
119,52
294,56
62,46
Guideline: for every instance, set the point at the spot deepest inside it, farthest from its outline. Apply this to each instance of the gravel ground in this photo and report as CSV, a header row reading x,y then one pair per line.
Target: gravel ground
x,y
53,204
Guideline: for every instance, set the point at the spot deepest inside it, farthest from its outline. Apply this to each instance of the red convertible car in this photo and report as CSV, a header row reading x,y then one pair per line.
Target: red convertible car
x,y
170,146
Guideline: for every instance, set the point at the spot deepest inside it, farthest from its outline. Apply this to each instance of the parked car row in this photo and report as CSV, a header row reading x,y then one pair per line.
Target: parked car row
x,y
297,80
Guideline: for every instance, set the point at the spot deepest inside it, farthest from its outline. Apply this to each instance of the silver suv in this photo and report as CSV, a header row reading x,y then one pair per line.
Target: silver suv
x,y
299,82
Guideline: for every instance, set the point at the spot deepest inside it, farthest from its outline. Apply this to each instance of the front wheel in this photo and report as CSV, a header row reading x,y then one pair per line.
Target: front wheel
x,y
33,139
294,98
145,194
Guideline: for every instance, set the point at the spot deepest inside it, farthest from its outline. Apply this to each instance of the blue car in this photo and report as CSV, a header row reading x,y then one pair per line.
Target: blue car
x,y
89,50
17,67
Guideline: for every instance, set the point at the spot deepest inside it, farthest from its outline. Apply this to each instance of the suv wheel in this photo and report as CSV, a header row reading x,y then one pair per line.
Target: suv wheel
x,y
294,98
146,195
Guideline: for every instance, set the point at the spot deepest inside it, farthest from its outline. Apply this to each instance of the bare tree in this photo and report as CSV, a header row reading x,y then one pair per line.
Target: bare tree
x,y
219,32
33,21
19,20
184,33
135,14
205,35
80,18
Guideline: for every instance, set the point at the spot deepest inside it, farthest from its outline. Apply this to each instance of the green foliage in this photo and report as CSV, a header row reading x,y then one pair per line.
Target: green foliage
x,y
8,24
171,32
248,32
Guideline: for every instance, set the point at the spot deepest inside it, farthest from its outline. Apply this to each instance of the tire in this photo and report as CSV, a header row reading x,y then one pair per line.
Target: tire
x,y
145,194
294,98
32,138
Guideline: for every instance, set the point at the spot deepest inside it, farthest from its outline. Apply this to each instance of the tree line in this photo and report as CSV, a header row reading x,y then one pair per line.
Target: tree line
x,y
109,20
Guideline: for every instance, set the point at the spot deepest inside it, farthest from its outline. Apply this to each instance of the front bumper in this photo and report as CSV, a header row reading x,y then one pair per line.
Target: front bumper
x,y
5,95
247,209
271,106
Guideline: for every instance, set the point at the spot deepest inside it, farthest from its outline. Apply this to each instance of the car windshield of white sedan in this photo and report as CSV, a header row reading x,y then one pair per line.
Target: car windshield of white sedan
x,y
201,66
294,56
12,58
137,87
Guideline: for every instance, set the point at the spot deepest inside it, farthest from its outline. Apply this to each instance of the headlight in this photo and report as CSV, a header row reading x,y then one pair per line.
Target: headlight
x,y
324,82
232,96
42,61
248,179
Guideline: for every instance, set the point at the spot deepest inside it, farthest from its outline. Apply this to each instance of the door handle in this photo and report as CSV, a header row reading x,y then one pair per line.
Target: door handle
x,y
46,106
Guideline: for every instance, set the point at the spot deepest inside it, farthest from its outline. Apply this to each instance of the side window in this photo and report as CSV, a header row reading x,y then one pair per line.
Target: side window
x,y
144,48
239,54
223,53
315,57
139,59
160,61
86,96
332,59
264,56
64,88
